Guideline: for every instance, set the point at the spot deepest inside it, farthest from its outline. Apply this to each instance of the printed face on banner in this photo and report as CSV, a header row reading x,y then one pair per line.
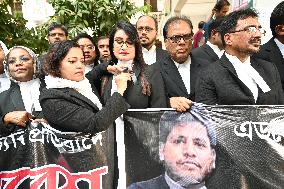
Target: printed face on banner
x,y
187,153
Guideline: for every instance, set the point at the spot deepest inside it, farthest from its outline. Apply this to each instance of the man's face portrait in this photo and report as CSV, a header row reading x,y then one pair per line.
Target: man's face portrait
x,y
147,31
187,153
56,35
246,39
179,41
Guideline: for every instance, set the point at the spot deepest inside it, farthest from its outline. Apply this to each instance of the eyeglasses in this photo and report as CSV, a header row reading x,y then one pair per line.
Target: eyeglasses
x,y
88,47
146,28
251,29
120,42
22,59
177,38
54,34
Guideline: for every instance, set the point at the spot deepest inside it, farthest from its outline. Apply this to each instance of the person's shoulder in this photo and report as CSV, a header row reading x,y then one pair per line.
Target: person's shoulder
x,y
164,59
154,183
266,64
55,93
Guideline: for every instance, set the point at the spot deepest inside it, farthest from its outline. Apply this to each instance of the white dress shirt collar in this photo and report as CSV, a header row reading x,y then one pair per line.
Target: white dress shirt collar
x,y
30,94
248,75
88,68
185,64
184,71
215,48
174,185
149,55
280,46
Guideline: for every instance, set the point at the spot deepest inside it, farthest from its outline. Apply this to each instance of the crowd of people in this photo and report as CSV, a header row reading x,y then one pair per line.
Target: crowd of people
x,y
88,83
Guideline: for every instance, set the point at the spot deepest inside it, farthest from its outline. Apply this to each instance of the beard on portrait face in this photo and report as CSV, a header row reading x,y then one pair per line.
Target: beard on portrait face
x,y
186,180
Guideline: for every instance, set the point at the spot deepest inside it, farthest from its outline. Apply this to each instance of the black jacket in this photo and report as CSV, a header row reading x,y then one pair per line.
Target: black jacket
x,y
271,53
172,79
219,84
11,100
67,110
133,93
205,52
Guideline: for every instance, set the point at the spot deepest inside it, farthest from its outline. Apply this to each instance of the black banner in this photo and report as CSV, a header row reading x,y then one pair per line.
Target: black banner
x,y
249,149
41,157
243,147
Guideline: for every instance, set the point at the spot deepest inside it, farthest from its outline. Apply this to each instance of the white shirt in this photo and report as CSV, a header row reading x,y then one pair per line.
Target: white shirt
x,y
184,71
149,55
129,65
248,75
30,94
174,185
4,83
88,68
280,46
216,49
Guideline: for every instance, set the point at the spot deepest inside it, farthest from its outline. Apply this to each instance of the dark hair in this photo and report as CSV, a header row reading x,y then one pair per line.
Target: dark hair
x,y
55,25
220,4
277,17
174,20
201,24
139,62
230,22
171,119
102,37
55,55
214,25
83,35
149,16
87,36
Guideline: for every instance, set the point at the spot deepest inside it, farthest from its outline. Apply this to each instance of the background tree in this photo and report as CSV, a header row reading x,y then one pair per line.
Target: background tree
x,y
96,16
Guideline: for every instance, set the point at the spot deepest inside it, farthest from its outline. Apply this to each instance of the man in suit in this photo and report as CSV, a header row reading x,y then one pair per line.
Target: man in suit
x,y
213,49
180,69
187,149
237,78
273,50
147,28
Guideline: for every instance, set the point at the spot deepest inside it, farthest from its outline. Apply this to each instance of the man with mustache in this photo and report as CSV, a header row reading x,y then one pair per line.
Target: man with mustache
x,y
56,33
237,78
147,28
187,148
180,69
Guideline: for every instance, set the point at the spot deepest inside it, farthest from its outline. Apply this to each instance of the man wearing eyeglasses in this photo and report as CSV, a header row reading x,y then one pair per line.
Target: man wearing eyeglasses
x,y
237,78
273,50
180,69
240,79
56,33
91,52
147,27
